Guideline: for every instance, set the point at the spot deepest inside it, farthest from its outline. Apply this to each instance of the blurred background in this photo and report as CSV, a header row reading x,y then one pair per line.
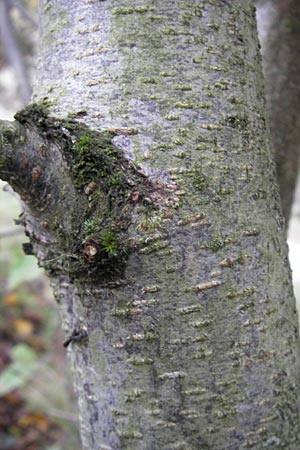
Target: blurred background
x,y
38,408
37,403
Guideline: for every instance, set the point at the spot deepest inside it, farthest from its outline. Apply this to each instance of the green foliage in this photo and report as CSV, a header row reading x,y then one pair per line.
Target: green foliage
x,y
15,268
22,268
20,370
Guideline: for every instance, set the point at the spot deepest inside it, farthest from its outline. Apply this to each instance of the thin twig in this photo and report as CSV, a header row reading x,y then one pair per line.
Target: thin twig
x,y
11,232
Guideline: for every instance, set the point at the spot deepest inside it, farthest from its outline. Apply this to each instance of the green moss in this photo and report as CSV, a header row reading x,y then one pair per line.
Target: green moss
x,y
84,143
10,137
34,113
94,158
109,243
89,226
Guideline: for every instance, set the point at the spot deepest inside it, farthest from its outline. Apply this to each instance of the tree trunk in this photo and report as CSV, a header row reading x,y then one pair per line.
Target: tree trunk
x,y
166,247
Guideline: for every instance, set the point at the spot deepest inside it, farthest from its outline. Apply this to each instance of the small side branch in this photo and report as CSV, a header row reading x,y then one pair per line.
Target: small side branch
x,y
9,232
11,136
24,12
79,189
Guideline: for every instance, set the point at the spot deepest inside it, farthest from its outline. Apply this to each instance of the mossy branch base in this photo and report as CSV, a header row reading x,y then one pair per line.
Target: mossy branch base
x,y
82,193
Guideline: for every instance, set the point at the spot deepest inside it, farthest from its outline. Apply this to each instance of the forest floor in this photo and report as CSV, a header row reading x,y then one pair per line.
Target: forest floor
x,y
37,402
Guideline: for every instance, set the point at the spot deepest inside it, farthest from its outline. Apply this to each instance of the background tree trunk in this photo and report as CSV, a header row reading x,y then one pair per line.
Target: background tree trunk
x,y
280,38
169,264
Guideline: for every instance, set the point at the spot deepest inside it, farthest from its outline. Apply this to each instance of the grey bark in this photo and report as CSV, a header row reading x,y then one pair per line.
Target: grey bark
x,y
280,38
190,339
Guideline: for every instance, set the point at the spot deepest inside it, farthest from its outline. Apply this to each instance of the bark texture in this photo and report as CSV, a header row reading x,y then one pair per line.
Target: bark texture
x,y
162,234
280,38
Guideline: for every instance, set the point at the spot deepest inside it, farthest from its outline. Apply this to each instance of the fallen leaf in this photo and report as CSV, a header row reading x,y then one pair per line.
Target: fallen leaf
x,y
35,419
